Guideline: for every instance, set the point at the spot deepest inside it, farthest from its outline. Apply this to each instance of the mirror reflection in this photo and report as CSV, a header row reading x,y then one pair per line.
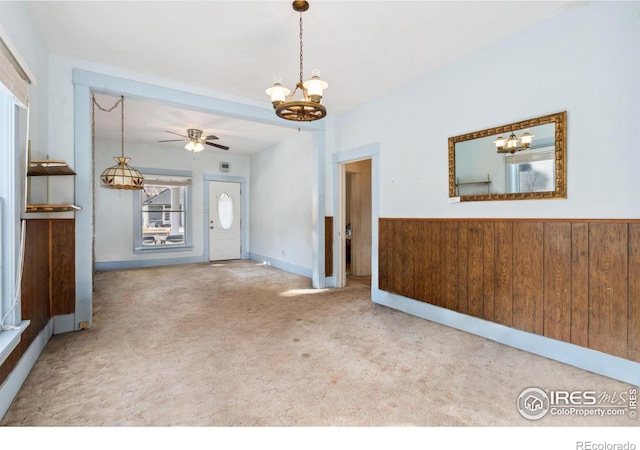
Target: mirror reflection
x,y
520,160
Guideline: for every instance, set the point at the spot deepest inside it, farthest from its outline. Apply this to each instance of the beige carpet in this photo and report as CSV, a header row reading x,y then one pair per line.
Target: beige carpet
x,y
243,344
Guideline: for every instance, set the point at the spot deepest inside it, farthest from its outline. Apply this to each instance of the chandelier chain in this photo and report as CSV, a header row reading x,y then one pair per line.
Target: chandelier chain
x,y
301,47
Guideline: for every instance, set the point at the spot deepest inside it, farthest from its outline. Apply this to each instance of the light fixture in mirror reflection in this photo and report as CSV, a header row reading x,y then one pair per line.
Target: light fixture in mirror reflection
x,y
530,163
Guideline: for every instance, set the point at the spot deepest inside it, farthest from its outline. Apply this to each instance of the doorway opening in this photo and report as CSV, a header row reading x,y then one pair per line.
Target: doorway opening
x,y
357,222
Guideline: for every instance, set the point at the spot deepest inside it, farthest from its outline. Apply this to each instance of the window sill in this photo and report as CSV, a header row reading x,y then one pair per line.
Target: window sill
x,y
10,339
163,249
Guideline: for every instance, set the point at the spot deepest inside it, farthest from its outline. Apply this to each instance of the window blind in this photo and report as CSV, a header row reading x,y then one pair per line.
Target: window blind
x,y
167,180
532,156
12,76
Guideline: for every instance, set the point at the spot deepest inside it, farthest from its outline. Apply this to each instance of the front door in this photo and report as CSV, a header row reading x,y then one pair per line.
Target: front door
x,y
225,241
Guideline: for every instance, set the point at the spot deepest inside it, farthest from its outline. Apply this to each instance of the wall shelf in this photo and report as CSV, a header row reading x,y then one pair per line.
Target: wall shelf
x,y
49,168
51,208
468,183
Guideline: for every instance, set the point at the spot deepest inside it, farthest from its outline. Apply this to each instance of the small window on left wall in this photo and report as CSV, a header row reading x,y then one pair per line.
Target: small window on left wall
x,y
163,214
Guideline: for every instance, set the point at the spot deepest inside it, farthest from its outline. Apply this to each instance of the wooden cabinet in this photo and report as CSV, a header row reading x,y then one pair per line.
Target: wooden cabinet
x,y
49,268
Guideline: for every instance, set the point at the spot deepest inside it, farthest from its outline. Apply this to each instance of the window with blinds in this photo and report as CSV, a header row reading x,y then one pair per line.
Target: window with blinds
x,y
531,171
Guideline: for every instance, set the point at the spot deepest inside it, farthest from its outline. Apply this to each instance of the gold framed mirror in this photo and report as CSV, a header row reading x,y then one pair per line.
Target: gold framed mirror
x,y
519,161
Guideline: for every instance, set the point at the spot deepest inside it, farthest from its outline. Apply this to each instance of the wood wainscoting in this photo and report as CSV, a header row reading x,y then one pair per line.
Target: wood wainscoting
x,y
328,246
572,280
48,280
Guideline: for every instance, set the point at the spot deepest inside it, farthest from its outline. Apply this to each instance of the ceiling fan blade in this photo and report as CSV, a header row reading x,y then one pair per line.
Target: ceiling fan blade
x,y
173,140
186,137
211,137
223,147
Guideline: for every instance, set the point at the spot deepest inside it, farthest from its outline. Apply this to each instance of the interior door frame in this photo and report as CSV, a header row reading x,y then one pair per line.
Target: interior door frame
x,y
244,228
340,160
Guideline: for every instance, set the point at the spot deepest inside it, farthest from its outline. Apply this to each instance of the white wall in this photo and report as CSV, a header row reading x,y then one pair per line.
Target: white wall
x,y
281,202
114,211
16,23
585,61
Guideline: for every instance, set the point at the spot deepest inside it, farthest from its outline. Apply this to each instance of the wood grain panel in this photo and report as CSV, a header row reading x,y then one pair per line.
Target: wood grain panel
x,y
36,272
449,268
528,257
504,273
422,268
328,246
475,270
608,258
463,268
557,281
489,270
580,284
396,255
411,258
63,274
435,251
384,250
633,336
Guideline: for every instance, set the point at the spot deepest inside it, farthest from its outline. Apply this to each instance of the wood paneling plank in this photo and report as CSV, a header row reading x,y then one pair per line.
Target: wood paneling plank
x,y
489,270
449,266
384,254
475,270
421,270
396,261
557,281
411,258
463,268
580,284
328,246
63,293
504,273
434,251
608,306
633,336
528,257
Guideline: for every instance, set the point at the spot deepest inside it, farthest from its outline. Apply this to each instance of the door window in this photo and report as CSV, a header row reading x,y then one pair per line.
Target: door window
x,y
225,211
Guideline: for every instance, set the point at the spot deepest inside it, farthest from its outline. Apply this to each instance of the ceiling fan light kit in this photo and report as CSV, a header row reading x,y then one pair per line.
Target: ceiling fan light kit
x,y
308,108
196,141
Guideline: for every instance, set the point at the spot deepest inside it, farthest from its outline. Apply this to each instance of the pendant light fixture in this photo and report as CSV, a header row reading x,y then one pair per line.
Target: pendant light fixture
x,y
310,106
120,176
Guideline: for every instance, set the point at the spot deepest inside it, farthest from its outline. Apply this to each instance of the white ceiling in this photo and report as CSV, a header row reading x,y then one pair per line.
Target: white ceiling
x,y
236,48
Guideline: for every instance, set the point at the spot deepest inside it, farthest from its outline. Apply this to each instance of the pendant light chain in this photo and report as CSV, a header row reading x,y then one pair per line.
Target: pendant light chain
x,y
93,182
301,74
122,123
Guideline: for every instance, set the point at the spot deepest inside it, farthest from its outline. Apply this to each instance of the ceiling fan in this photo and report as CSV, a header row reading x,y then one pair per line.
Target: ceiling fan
x,y
196,141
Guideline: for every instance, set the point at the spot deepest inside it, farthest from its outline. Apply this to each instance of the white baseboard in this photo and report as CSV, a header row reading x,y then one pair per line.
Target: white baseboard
x,y
9,389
